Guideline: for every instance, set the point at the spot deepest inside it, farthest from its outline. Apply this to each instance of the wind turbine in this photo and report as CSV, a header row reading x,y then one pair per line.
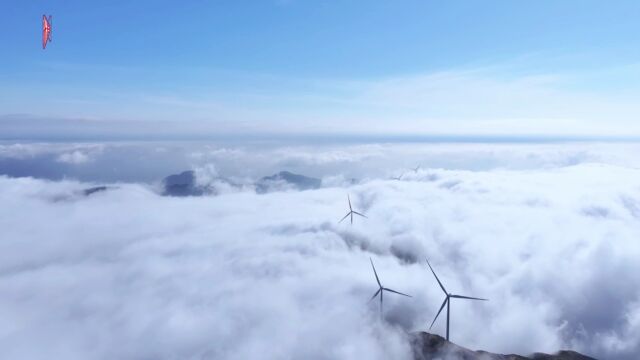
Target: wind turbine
x,y
382,289
415,169
351,212
398,178
447,300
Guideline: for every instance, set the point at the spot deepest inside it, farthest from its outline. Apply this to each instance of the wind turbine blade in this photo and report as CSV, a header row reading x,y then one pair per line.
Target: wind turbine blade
x,y
349,199
397,292
351,213
439,311
357,213
467,297
375,273
434,274
374,295
344,218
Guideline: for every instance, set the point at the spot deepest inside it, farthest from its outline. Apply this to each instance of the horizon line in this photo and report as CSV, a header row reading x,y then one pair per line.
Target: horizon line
x,y
329,138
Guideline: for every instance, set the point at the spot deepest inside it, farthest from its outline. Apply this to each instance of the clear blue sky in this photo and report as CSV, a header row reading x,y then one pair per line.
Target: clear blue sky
x,y
308,65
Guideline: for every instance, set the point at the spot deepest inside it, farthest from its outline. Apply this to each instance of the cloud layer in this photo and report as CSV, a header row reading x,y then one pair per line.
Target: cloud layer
x,y
126,273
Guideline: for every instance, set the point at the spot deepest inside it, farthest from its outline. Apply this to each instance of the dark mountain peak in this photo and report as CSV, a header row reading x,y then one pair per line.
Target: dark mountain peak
x,y
93,190
182,184
185,177
427,346
293,178
186,184
288,179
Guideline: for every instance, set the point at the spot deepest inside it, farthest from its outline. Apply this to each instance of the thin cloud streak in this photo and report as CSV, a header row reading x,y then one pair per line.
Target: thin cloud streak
x,y
483,101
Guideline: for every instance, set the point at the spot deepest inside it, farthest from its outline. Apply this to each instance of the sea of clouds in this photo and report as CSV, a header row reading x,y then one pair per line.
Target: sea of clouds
x,y
550,233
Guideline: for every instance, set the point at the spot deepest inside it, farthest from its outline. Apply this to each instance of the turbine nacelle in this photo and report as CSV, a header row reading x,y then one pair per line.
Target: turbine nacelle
x,y
351,212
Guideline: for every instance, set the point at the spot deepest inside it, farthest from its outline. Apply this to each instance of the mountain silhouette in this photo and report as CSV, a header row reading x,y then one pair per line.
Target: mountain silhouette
x,y
286,179
183,184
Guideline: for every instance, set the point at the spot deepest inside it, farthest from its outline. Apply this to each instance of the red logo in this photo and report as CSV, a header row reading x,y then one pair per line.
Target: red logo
x,y
46,30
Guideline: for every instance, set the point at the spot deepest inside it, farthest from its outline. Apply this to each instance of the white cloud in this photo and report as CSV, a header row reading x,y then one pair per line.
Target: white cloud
x,y
126,273
65,152
74,157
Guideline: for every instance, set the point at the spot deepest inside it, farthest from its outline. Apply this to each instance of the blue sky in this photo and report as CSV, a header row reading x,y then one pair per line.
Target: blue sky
x,y
443,67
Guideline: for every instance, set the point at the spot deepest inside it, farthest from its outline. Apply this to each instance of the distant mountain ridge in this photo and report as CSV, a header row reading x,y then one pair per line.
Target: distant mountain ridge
x,y
427,346
185,184
296,181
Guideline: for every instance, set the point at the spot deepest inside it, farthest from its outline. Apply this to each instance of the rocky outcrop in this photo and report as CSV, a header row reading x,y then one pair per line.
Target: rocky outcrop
x,y
427,346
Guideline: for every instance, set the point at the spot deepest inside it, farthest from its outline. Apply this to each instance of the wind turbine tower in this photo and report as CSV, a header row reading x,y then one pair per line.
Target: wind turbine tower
x,y
447,300
382,289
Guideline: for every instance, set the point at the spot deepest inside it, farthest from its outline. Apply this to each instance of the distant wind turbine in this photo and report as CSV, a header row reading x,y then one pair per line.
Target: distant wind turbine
x,y
382,289
351,212
397,177
415,169
447,300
